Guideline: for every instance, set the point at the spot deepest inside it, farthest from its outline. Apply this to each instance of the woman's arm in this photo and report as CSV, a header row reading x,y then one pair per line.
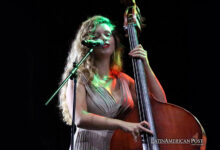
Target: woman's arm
x,y
154,85
84,119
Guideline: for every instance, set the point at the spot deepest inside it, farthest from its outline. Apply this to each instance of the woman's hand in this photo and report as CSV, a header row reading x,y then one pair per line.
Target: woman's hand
x,y
139,52
136,128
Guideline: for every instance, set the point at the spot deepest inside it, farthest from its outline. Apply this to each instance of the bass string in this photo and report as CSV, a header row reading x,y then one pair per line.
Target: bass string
x,y
133,42
141,107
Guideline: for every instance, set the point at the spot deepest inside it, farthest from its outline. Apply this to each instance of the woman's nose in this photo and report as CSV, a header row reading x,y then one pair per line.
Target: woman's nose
x,y
104,38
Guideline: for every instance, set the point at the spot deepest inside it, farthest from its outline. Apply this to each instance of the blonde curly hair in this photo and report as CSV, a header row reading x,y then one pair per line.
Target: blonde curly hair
x,y
77,51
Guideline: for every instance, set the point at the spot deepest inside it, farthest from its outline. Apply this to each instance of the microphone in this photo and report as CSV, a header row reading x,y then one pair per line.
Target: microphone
x,y
92,43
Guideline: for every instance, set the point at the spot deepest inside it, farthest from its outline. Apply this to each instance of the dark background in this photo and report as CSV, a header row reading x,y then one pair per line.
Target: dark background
x,y
179,37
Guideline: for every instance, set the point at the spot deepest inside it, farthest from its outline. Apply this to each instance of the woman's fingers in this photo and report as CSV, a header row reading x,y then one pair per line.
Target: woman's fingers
x,y
143,123
142,56
145,127
138,55
138,52
146,130
136,128
135,135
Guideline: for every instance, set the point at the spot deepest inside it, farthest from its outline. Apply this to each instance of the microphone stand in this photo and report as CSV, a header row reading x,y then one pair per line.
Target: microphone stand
x,y
73,129
73,74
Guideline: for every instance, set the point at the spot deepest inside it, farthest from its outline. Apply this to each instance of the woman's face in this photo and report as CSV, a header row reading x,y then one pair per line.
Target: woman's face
x,y
103,32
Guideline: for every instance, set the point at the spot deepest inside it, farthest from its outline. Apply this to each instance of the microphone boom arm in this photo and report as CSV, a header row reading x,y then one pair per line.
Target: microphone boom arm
x,y
69,76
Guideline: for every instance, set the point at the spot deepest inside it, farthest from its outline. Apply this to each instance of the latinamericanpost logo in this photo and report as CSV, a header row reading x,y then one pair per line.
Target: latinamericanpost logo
x,y
192,141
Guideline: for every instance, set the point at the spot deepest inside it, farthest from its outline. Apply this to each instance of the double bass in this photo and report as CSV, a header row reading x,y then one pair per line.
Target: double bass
x,y
174,127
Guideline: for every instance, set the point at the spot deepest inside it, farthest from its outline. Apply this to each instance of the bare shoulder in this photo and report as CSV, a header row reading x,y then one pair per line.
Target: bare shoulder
x,y
127,78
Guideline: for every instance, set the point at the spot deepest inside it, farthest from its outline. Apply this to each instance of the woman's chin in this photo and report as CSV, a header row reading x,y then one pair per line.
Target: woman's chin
x,y
104,52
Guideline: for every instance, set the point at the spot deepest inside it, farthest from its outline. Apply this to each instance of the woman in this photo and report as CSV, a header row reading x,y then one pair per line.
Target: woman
x,y
104,94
